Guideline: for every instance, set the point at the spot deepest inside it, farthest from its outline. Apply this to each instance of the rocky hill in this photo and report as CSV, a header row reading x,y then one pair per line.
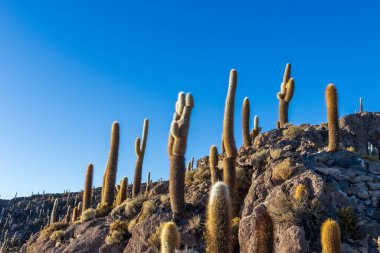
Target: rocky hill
x,y
286,183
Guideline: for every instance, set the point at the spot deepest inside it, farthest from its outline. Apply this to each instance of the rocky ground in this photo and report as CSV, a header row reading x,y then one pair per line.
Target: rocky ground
x,y
344,185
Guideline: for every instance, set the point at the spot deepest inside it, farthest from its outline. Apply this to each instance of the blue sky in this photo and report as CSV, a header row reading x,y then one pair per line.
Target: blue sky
x,y
68,69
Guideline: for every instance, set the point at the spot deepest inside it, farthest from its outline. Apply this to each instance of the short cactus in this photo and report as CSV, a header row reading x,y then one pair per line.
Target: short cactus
x,y
285,95
218,219
109,178
53,215
213,161
75,215
300,193
148,184
256,129
229,173
176,149
332,116
245,123
87,193
122,196
330,237
68,214
169,238
140,152
263,233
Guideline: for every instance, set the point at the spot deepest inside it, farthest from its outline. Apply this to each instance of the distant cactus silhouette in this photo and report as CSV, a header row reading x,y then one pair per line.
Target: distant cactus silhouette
x,y
361,105
169,238
330,237
109,178
218,219
256,129
333,119
285,95
87,193
245,123
229,173
140,152
176,149
213,162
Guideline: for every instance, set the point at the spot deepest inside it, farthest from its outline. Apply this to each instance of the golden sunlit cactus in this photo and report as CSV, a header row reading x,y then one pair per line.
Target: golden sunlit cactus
x,y
176,149
256,129
330,237
300,193
140,152
53,215
218,223
109,178
229,173
169,238
75,215
122,196
213,161
332,116
285,95
245,123
87,193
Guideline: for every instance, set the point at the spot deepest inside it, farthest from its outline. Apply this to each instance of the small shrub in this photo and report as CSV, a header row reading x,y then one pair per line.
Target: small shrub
x,y
283,170
292,132
147,210
47,231
259,157
348,220
118,210
275,153
133,207
154,240
57,235
201,175
88,215
164,198
351,149
189,177
235,232
102,211
194,223
117,233
132,224
281,210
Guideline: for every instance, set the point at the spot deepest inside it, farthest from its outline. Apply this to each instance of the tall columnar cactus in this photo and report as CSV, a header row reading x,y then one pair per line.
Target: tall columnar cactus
x,y
218,219
285,95
122,196
245,123
87,193
68,213
75,215
53,215
147,186
229,173
169,238
109,178
256,128
330,237
176,149
213,161
361,105
140,152
332,116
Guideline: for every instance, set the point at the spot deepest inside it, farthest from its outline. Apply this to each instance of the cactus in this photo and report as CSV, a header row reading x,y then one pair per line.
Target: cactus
x,y
300,193
361,104
109,178
332,116
213,161
218,219
148,182
189,166
169,238
140,152
122,196
285,95
256,129
245,123
229,173
67,217
87,194
176,150
330,237
75,215
53,215
263,232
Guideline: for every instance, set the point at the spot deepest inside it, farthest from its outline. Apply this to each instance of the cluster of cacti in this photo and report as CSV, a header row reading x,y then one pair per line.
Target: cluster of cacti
x,y
140,146
109,178
229,173
218,219
87,193
284,96
333,119
330,237
213,162
249,137
176,149
169,238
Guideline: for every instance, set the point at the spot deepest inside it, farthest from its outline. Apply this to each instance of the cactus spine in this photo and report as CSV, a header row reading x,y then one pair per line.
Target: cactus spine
x,y
213,161
229,172
285,95
332,116
53,215
330,237
109,178
169,238
218,219
176,150
122,196
245,123
87,193
140,152
256,128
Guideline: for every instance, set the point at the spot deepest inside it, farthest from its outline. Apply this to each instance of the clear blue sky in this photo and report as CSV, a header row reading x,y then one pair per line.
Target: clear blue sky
x,y
68,69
